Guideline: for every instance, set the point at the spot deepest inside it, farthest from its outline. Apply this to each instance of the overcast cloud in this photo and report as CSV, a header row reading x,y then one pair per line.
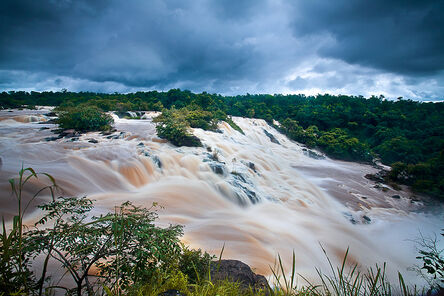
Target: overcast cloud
x,y
394,48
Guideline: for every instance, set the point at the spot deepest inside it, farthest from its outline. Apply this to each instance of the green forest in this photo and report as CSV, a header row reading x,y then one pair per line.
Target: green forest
x,y
406,134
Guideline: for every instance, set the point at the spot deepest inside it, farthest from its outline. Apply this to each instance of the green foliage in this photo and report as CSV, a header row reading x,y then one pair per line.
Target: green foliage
x,y
344,280
84,118
133,256
125,247
230,121
399,147
15,259
338,143
200,119
172,125
433,261
423,177
296,132
194,264
399,131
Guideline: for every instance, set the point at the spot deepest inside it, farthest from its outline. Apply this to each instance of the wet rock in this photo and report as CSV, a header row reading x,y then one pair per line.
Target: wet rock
x,y
252,166
381,187
44,128
49,121
192,141
51,114
350,218
245,188
239,177
217,168
120,136
314,154
366,219
396,196
94,141
209,149
364,197
140,144
272,138
157,161
378,177
171,292
69,133
49,139
74,139
251,195
237,271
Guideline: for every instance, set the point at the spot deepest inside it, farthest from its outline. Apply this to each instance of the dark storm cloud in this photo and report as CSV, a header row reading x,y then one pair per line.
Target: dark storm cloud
x,y
228,47
398,36
138,43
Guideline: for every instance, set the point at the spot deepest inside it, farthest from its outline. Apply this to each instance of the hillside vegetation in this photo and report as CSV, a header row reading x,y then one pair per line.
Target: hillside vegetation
x,y
406,134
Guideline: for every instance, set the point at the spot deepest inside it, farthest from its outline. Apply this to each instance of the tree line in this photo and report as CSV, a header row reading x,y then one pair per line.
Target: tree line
x,y
406,134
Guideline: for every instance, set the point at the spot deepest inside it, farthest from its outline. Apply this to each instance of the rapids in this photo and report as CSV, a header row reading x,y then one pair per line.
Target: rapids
x,y
259,198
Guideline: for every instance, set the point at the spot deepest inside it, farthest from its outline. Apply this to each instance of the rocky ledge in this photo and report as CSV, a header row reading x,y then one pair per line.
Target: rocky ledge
x,y
232,270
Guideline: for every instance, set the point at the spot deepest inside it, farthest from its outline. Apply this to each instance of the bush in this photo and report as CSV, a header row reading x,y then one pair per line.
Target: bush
x,y
84,119
194,264
425,177
172,125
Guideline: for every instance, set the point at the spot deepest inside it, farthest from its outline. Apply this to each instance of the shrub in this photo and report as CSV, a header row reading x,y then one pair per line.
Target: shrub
x,y
194,264
88,118
172,125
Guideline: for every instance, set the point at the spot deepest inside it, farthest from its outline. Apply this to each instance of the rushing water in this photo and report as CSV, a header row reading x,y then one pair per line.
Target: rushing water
x,y
257,196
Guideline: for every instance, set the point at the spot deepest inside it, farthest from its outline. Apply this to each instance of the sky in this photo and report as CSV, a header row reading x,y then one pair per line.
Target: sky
x,y
393,48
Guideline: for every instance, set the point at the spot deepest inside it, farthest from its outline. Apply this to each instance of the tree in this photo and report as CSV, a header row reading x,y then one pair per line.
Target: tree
x,y
173,126
125,246
84,118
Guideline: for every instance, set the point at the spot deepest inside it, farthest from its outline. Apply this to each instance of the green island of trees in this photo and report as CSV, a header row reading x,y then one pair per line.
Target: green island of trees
x,y
409,135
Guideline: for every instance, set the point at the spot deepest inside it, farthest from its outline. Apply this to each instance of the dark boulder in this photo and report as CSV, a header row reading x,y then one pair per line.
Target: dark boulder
x,y
272,138
217,168
366,219
237,271
48,139
191,141
396,196
69,133
94,141
314,154
157,161
378,177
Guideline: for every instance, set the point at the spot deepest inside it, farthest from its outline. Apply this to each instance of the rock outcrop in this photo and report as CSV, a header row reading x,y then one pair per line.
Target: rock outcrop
x,y
237,271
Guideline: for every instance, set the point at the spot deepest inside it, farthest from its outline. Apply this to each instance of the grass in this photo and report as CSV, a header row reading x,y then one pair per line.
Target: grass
x,y
342,281
234,125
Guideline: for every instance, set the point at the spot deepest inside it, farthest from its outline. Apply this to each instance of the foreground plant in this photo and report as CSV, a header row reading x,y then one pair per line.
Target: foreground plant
x,y
125,247
341,281
15,265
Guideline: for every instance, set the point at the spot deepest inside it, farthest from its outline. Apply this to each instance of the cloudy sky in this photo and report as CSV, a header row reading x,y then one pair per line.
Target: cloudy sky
x,y
359,47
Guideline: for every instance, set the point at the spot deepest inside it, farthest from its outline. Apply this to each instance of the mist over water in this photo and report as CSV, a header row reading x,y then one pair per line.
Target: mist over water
x,y
259,198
